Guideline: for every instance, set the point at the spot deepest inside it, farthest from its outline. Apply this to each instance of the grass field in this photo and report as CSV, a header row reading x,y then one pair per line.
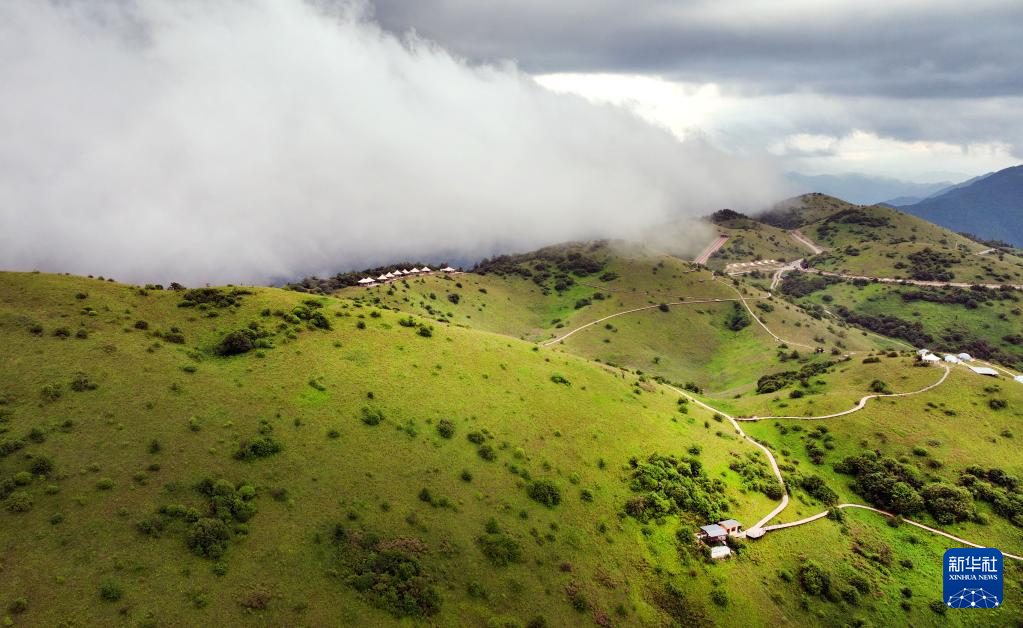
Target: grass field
x,y
953,326
306,393
342,424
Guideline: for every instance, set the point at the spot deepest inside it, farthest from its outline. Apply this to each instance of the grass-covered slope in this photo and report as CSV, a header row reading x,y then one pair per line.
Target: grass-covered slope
x,y
701,334
982,322
358,469
878,241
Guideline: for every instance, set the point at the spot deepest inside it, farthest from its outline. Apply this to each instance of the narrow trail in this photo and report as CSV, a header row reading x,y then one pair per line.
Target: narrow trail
x,y
821,515
910,282
761,323
783,504
798,236
859,406
558,339
770,456
711,250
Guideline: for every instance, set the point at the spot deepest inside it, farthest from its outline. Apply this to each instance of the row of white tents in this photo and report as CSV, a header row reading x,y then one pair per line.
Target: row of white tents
x,y
962,358
398,274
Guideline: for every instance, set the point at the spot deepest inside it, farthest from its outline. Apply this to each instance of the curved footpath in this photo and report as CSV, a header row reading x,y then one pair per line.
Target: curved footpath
x,y
821,515
761,525
558,339
859,406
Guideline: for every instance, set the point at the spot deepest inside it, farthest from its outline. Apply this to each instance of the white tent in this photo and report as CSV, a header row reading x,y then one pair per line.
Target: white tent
x,y
930,357
965,357
425,269
952,359
720,551
366,280
448,269
389,276
414,270
1018,378
983,370
922,351
383,277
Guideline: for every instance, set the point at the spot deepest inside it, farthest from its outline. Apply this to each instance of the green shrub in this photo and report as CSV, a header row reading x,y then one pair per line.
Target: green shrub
x,y
487,453
105,484
17,606
208,537
560,379
372,416
110,591
544,492
236,342
446,428
814,579
259,448
500,549
18,501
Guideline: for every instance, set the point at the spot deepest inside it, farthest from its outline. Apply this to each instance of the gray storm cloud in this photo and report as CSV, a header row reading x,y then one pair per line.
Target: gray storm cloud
x,y
258,140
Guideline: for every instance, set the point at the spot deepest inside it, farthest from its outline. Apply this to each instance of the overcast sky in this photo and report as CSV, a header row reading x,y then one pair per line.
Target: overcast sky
x,y
255,140
919,89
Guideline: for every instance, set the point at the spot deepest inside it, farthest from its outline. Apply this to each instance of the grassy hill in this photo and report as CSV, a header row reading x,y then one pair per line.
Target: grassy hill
x,y
689,339
115,421
251,454
879,241
982,322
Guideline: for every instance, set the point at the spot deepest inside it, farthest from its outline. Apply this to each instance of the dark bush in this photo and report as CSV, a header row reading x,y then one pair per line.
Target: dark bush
x,y
544,492
372,416
446,428
208,537
110,591
259,448
236,342
500,549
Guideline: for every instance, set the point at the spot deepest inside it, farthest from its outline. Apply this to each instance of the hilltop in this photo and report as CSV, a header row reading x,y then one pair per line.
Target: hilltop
x,y
991,207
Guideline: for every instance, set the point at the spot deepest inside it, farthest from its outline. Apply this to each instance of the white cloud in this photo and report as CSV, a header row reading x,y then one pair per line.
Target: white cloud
x,y
807,132
239,141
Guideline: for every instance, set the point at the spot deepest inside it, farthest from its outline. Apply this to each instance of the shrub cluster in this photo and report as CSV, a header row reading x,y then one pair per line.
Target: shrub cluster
x,y
669,485
387,573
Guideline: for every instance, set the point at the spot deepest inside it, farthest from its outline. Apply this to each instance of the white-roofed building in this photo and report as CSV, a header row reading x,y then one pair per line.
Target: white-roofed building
x,y
366,280
1018,378
414,270
984,370
720,551
952,359
447,269
930,357
383,277
425,269
922,352
965,357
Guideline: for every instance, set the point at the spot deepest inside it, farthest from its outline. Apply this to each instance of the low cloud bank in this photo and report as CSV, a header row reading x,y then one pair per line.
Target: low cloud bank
x,y
260,140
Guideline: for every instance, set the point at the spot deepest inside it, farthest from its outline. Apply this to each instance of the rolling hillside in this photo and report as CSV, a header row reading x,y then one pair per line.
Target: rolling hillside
x,y
687,339
879,241
227,455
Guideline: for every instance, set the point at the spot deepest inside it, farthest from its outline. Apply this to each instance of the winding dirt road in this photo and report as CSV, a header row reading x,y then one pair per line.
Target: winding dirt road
x,y
859,406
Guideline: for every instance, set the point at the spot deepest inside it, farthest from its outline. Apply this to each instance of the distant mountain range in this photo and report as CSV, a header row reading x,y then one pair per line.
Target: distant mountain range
x,y
866,190
989,206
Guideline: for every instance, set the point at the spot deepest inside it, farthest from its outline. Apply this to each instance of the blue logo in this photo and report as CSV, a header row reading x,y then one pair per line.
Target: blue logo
x,y
973,578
